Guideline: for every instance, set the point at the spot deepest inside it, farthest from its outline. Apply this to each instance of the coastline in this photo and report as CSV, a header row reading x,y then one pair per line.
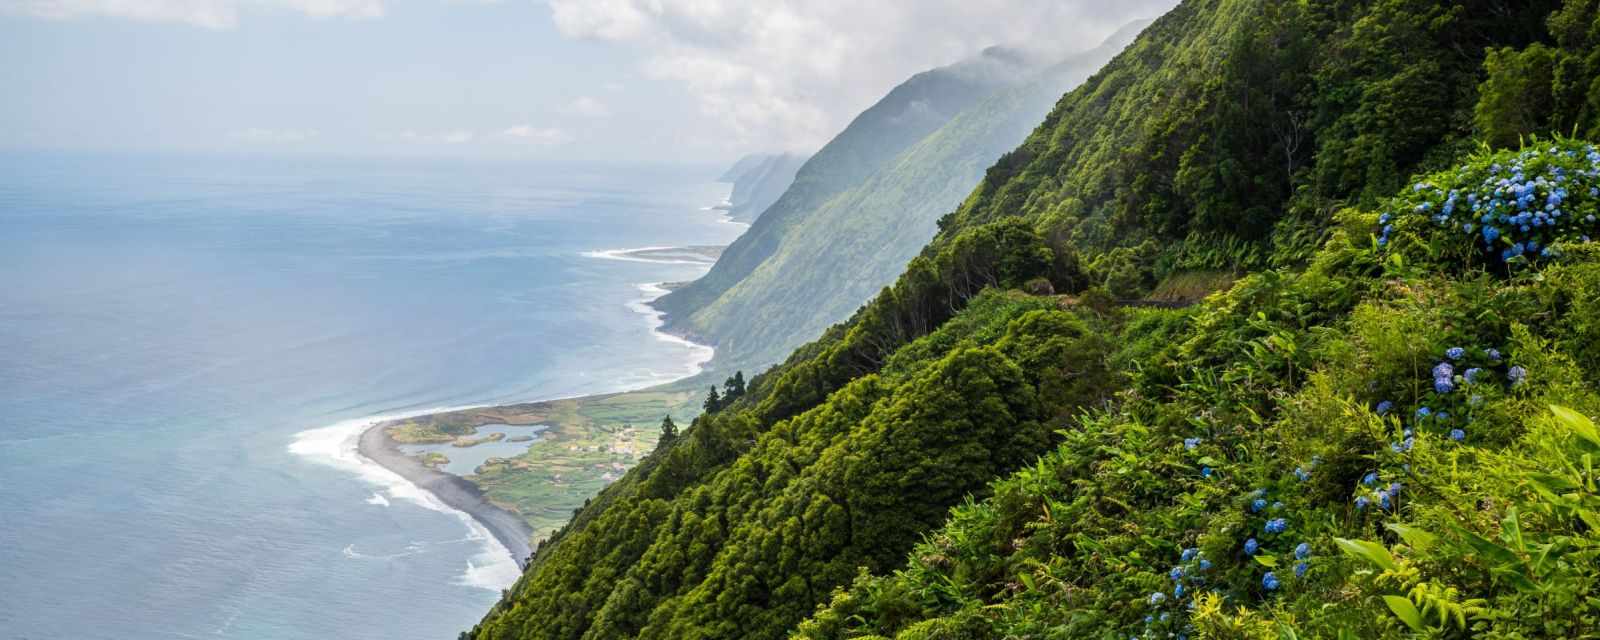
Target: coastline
x,y
456,492
508,528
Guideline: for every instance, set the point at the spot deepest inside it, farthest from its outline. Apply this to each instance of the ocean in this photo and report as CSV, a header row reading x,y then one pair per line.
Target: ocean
x,y
188,344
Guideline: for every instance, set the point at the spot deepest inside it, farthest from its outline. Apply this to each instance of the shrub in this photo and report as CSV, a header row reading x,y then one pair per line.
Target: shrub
x,y
1509,208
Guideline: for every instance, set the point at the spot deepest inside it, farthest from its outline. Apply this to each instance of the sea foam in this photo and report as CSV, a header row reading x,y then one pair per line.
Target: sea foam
x,y
336,446
699,354
627,255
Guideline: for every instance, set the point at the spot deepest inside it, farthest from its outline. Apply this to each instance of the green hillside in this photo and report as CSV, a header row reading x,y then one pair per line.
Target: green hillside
x,y
758,180
906,115
836,257
1377,384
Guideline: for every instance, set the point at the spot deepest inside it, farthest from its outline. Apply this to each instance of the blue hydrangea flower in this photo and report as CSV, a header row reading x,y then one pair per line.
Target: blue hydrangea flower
x,y
1276,525
1443,370
1424,412
1269,581
1517,374
1302,551
1250,547
1300,569
1257,505
1205,472
1191,443
1494,354
1157,598
1458,435
1188,554
1176,573
1205,565
1471,375
1177,591
1384,407
1370,479
1302,474
1443,386
1455,353
1362,502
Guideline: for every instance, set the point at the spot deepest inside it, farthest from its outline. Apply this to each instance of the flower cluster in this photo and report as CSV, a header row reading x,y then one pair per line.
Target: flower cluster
x,y
1514,206
1274,526
1189,573
1460,368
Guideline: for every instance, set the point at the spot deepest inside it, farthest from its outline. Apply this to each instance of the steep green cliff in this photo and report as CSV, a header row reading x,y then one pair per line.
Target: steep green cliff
x,y
1375,385
758,180
835,257
909,113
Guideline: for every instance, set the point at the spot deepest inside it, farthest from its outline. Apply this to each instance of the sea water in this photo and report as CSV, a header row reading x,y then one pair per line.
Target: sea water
x,y
188,345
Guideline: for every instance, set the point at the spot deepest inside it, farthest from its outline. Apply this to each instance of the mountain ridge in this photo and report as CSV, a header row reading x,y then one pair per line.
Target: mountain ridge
x,y
1355,432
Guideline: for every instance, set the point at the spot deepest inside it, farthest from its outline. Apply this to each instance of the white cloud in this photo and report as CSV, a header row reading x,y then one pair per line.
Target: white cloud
x,y
542,137
210,14
586,107
791,73
272,136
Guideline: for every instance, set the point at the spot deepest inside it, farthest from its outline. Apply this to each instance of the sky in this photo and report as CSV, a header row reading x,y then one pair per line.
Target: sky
x,y
591,80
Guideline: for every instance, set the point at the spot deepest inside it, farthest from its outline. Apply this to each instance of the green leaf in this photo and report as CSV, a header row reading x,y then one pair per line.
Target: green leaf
x,y
1407,612
1511,530
1370,551
1553,483
1268,561
1503,563
1579,424
1417,538
1490,551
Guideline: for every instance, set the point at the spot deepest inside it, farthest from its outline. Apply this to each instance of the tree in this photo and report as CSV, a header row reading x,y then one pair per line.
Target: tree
x,y
713,401
669,433
733,387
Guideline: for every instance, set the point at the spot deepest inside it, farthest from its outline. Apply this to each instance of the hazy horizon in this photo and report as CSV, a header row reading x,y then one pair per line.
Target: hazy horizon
x,y
616,81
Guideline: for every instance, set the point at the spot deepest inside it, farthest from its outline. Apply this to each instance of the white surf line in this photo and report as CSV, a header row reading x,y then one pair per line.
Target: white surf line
x,y
336,445
699,354
626,255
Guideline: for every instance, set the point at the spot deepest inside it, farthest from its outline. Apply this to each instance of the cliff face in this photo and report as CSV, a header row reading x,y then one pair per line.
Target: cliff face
x,y
1353,439
838,255
908,114
758,180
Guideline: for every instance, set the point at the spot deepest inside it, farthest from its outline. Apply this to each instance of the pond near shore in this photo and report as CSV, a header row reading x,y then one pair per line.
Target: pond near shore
x,y
464,461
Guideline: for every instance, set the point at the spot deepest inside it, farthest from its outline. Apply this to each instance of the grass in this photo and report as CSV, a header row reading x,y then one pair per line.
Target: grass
x,y
590,442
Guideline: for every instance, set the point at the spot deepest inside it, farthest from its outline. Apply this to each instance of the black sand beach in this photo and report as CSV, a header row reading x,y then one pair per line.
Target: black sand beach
x,y
452,490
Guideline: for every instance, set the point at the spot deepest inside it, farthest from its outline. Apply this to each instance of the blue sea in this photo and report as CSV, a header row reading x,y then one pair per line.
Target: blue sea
x,y
188,345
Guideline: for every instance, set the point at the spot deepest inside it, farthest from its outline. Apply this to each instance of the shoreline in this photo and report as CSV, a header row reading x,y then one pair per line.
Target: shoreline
x,y
456,492
512,532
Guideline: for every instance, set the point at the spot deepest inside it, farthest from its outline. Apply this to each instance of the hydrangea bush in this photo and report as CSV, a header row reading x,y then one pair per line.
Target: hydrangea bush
x,y
1511,208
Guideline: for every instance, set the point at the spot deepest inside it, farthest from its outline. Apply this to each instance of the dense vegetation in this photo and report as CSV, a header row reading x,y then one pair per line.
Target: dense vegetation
x,y
1364,449
835,256
875,139
1355,439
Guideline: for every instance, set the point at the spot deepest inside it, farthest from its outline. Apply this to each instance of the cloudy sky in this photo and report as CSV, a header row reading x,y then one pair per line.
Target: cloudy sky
x,y
632,80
